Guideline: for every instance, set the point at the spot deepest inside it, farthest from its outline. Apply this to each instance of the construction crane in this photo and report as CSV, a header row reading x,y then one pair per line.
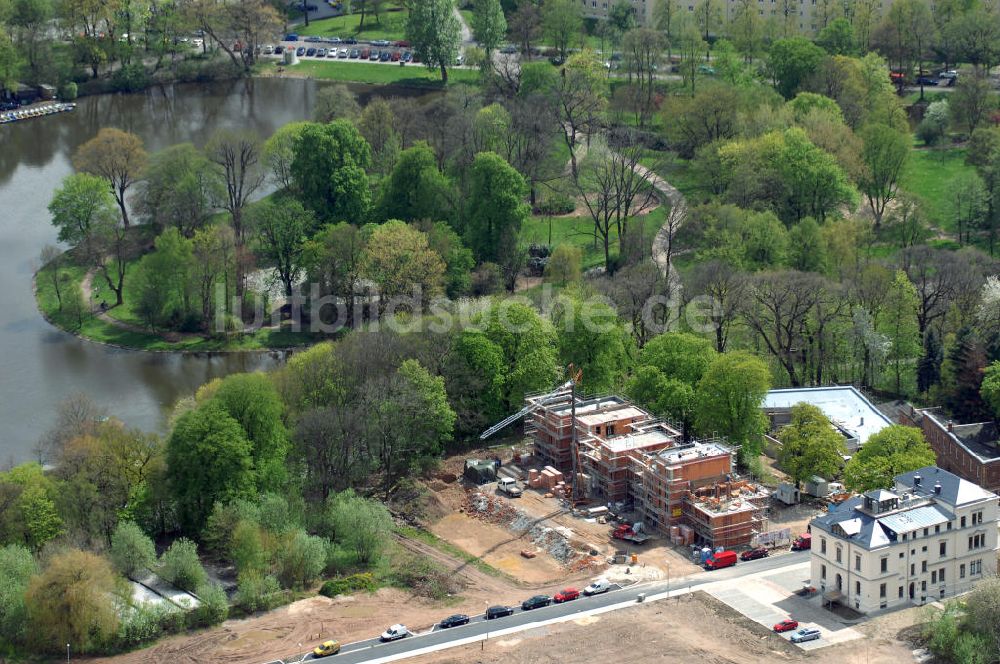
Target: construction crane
x,y
575,375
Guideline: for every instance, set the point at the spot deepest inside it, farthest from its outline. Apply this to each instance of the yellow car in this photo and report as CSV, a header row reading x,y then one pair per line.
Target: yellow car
x,y
327,648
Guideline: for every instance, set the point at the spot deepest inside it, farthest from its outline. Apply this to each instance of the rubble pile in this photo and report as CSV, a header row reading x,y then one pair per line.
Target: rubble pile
x,y
498,511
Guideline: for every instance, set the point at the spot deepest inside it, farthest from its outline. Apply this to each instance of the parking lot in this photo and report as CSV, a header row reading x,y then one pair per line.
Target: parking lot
x,y
769,597
345,50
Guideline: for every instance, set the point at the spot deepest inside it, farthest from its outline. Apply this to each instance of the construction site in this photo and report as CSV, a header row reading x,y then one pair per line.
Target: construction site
x,y
608,450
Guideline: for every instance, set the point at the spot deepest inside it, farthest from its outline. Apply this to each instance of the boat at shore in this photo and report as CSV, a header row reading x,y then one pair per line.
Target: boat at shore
x,y
35,111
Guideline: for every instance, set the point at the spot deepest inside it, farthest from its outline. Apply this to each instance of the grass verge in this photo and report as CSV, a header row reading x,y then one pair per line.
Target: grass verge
x,y
390,25
929,175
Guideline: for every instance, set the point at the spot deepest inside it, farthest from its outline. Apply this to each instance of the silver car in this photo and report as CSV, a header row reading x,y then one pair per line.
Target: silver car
x,y
805,634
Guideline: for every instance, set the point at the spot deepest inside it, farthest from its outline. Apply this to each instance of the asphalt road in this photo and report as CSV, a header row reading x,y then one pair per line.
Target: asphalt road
x,y
364,651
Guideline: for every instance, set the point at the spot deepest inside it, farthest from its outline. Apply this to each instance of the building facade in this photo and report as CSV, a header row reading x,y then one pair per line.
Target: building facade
x,y
933,536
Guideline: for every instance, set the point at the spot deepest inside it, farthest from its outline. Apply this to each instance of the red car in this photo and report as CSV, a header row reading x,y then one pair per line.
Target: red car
x,y
402,43
786,625
395,56
754,554
566,595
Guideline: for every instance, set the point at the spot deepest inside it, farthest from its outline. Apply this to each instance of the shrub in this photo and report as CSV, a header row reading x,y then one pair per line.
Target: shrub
x,y
349,584
180,565
17,566
361,524
130,78
213,609
302,560
935,123
132,551
424,578
256,591
68,91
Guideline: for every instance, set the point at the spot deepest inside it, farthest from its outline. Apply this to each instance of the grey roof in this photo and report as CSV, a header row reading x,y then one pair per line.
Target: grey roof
x,y
881,495
954,490
844,405
915,519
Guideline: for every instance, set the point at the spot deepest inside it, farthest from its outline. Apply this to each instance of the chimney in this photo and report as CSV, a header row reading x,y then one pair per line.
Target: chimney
x,y
937,488
916,480
951,426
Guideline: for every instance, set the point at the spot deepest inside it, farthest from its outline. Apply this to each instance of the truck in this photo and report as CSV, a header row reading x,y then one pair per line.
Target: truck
x,y
802,542
721,559
629,534
509,486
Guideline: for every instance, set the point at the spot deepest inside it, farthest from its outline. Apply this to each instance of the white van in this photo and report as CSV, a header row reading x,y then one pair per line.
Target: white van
x,y
598,587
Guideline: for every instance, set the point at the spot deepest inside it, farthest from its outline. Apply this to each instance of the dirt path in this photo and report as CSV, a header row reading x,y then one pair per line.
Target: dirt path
x,y
678,211
90,297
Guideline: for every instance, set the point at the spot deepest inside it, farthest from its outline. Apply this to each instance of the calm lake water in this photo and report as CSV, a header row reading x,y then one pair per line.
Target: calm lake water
x,y
40,365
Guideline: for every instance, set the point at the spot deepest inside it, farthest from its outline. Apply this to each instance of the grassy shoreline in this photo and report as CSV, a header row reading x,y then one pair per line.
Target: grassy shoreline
x,y
90,327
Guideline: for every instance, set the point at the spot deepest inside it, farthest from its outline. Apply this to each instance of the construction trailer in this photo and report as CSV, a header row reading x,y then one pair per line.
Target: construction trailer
x,y
787,493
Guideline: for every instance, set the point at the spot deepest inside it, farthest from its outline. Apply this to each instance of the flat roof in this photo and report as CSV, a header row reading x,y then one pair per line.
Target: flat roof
x,y
611,415
639,440
585,406
844,405
694,451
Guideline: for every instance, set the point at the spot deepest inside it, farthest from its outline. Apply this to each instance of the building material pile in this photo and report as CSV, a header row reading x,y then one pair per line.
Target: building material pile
x,y
554,541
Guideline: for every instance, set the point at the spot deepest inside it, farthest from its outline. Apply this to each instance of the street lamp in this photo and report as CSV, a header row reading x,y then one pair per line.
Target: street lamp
x,y
67,652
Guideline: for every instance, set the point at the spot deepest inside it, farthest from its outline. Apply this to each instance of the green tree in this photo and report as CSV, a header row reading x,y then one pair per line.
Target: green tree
x,y
729,396
564,266
458,258
435,33
279,153
474,378
209,459
178,189
934,126
416,189
837,37
162,289
335,102
17,567
31,497
377,125
562,22
893,450
593,340
791,62
664,396
399,260
679,355
806,248
972,101
79,207
281,227
132,551
899,323
529,345
990,389
884,156
361,524
496,208
489,27
328,171
181,566
72,601
810,445
252,400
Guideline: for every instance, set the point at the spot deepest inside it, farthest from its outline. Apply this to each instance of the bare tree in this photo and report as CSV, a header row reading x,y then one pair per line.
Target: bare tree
x,y
51,257
237,27
581,95
726,288
641,295
76,416
643,55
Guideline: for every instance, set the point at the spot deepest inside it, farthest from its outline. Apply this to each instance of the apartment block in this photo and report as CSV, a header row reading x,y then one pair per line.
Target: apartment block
x,y
932,536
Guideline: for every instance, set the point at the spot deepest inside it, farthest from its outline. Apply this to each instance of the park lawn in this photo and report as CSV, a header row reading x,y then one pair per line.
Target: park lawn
x,y
928,175
391,27
412,75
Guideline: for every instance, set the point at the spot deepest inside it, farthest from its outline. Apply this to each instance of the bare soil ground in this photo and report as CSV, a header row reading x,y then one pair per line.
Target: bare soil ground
x,y
695,628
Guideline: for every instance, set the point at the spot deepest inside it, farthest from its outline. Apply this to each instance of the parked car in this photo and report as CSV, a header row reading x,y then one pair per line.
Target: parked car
x,y
509,49
459,59
402,43
365,53
300,51
786,625
706,69
395,56
597,587
268,49
375,56
310,52
333,40
380,42
949,74
755,554
805,634
406,57
312,39
350,40
354,54
321,53
291,37
394,633
500,611
454,621
927,80
326,649
566,595
342,53
279,49
536,602
385,56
